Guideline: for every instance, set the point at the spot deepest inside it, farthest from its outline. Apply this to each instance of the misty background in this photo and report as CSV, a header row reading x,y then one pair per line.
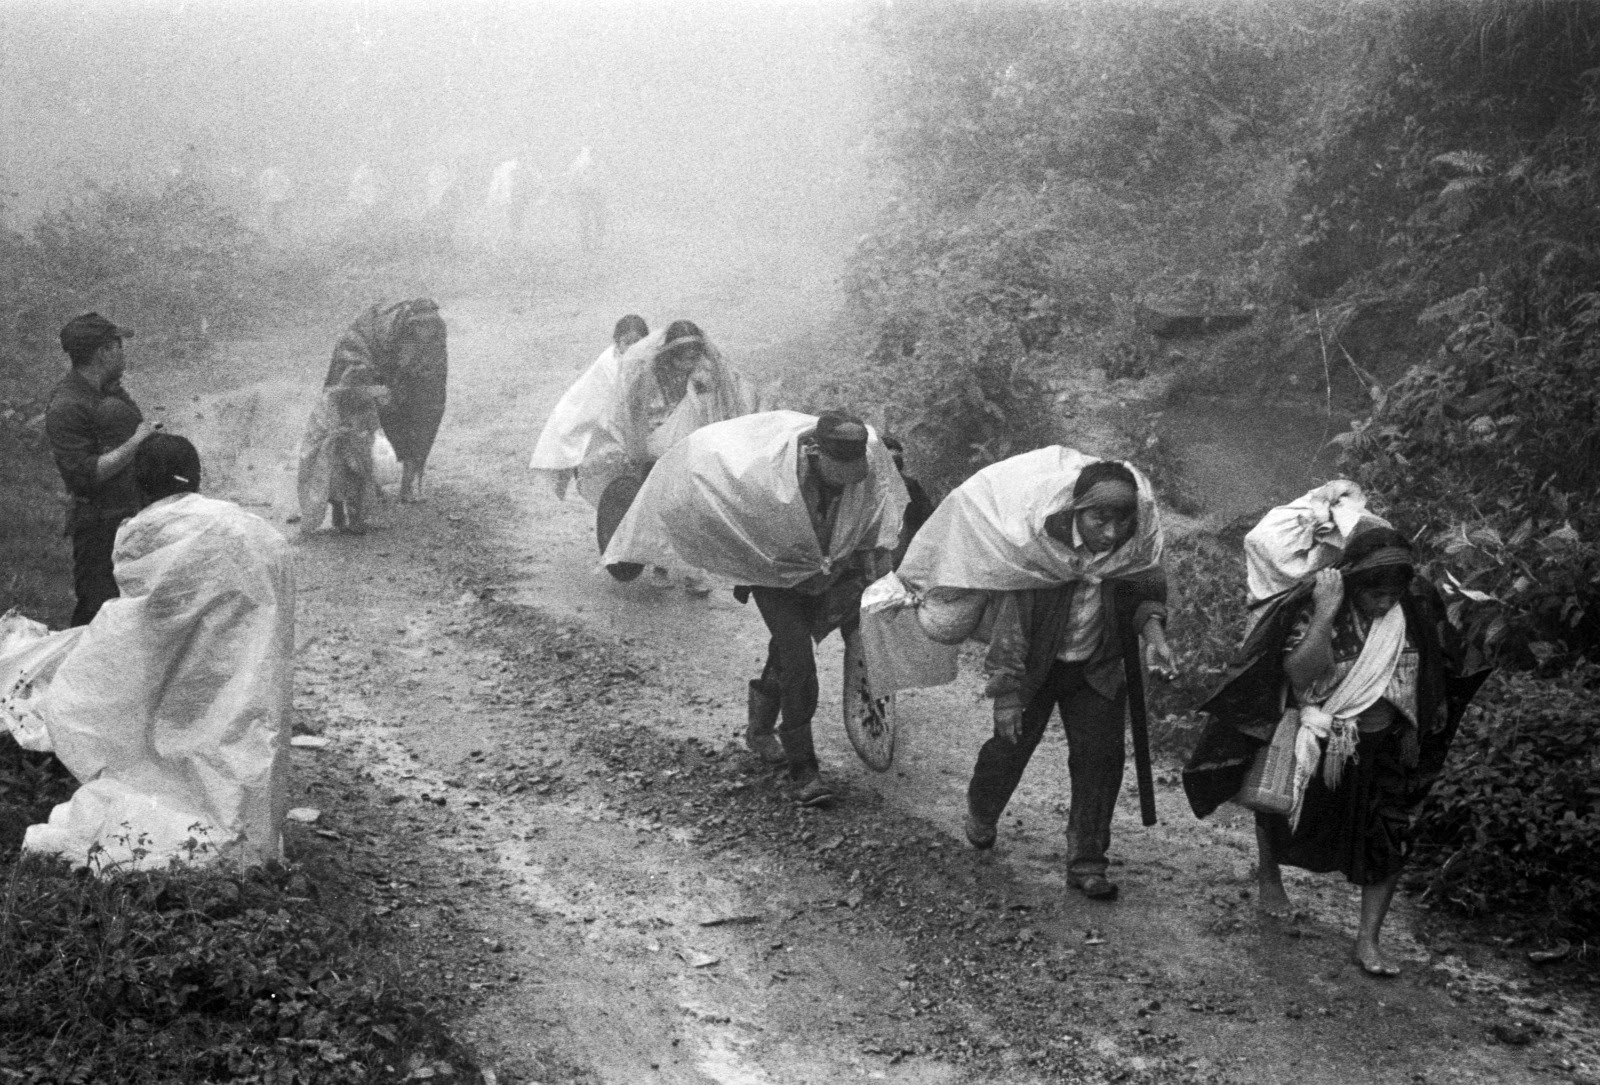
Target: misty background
x,y
750,113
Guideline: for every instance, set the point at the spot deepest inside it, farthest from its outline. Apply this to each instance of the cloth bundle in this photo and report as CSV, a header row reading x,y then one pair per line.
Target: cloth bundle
x,y
726,500
988,536
1293,541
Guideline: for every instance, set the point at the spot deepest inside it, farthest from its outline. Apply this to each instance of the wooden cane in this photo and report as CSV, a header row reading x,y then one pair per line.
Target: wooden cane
x,y
1138,717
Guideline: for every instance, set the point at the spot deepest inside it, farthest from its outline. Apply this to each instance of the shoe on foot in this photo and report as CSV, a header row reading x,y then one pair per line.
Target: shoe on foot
x,y
815,792
765,746
1096,887
980,834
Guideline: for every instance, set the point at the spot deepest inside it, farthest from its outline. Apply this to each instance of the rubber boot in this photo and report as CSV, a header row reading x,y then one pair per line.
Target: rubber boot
x,y
758,736
804,772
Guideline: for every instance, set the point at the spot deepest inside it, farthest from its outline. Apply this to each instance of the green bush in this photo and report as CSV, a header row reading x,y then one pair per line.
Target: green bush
x,y
194,975
1513,827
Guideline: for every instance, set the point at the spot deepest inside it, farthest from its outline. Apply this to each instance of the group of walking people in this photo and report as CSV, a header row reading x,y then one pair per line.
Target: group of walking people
x,y
1332,723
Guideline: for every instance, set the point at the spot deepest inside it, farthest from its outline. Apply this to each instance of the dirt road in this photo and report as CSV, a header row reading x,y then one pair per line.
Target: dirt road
x,y
535,772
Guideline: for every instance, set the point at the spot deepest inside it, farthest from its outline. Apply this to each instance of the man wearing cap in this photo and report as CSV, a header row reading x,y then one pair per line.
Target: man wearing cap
x,y
94,429
832,458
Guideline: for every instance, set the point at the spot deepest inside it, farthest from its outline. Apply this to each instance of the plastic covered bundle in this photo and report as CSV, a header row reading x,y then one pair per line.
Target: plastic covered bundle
x,y
727,500
1309,533
172,708
988,536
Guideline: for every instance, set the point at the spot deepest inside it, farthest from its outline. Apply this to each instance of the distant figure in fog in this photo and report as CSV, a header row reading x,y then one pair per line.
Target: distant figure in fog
x,y
579,419
445,199
511,192
275,190
584,188
404,344
366,189
920,508
94,429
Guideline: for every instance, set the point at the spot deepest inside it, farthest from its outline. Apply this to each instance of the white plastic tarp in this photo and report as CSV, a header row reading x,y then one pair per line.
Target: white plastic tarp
x,y
29,656
173,707
578,427
726,499
987,536
1309,533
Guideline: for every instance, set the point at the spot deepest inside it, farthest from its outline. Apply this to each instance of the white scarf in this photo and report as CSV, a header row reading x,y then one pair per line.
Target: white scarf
x,y
1334,720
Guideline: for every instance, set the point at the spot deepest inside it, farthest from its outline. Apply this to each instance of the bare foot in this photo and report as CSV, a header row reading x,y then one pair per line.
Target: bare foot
x,y
1374,962
1273,901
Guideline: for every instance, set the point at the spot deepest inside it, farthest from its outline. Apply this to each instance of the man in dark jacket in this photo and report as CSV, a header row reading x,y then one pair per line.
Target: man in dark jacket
x,y
94,429
1061,647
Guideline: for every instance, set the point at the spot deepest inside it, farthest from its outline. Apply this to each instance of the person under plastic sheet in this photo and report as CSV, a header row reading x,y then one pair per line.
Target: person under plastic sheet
x,y
578,421
1292,541
171,707
1058,556
1375,680
669,384
798,511
405,345
336,467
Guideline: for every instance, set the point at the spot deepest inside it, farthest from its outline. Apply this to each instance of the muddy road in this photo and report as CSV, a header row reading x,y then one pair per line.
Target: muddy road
x,y
535,774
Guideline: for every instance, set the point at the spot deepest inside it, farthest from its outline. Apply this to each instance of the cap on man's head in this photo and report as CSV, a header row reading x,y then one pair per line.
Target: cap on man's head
x,y
841,436
89,331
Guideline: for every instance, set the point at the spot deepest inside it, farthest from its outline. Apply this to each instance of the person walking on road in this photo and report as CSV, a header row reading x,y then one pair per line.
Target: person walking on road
x,y
799,511
94,429
1059,555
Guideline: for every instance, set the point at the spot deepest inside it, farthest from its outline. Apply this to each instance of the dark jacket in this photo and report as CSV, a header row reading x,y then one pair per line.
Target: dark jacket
x,y
83,423
1029,629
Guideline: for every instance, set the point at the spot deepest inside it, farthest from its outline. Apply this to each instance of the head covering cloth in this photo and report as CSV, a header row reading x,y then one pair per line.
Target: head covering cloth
x,y
719,393
989,534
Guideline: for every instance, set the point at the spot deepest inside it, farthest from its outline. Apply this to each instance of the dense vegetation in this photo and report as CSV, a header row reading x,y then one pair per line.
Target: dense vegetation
x,y
1404,199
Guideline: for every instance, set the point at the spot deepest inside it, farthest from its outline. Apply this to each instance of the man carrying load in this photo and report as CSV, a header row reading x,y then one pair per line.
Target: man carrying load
x,y
1058,556
799,511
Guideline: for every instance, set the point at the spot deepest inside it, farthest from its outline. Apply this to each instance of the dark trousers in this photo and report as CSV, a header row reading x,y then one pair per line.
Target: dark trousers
x,y
790,673
92,579
1095,756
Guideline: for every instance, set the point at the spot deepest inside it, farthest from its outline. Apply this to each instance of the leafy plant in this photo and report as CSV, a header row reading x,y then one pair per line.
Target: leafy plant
x,y
1514,824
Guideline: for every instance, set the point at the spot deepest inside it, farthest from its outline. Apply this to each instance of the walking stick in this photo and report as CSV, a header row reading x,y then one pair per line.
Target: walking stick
x,y
1138,717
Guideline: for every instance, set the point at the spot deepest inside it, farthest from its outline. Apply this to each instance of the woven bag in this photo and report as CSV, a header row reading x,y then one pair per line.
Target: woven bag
x,y
1269,784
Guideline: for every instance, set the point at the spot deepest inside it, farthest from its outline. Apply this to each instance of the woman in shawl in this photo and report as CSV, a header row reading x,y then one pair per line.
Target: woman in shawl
x,y
1369,666
404,345
670,384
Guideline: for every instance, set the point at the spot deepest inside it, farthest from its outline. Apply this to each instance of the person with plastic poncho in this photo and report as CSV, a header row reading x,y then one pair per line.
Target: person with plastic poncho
x,y
669,384
799,511
578,422
336,468
1058,556
1376,680
172,707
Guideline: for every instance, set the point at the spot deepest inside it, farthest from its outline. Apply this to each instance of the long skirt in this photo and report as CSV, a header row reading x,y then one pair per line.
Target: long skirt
x,y
1362,828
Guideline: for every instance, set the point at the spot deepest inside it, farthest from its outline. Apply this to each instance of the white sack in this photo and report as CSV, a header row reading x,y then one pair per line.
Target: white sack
x,y
726,499
385,464
173,708
1293,541
898,654
29,656
989,535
